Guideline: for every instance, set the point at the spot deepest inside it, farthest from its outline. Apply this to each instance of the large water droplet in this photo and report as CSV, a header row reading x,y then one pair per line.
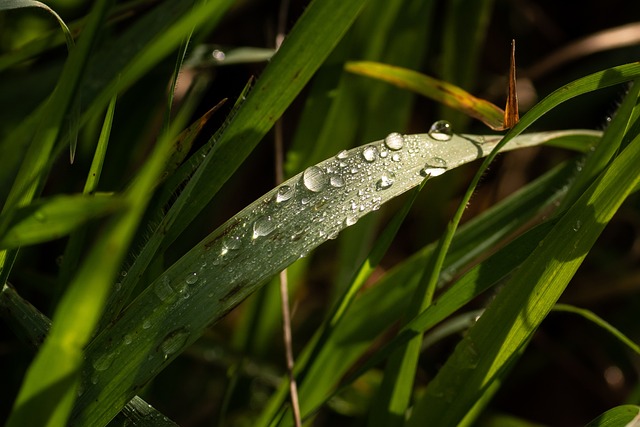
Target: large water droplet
x,y
314,179
394,141
336,181
284,193
434,167
441,131
384,182
162,288
103,362
370,153
231,243
174,341
191,278
263,227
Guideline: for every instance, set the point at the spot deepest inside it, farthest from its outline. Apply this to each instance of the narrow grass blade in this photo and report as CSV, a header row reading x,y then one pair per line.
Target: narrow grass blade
x,y
17,4
591,316
49,219
440,91
509,322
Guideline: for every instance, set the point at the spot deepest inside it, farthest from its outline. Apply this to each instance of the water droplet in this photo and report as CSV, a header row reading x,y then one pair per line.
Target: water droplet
x,y
370,153
336,181
394,141
191,278
384,182
384,154
38,215
127,339
103,362
146,324
218,55
314,179
577,225
441,131
174,341
434,167
395,157
263,227
231,244
162,288
350,220
343,155
284,193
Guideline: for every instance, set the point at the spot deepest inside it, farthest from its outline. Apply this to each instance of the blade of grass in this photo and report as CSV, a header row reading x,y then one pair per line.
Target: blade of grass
x,y
438,90
261,240
592,317
623,415
55,217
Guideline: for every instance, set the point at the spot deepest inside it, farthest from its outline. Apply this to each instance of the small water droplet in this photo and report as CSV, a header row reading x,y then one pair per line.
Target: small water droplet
x,y
103,362
434,167
350,220
174,341
384,154
127,339
314,179
162,288
577,225
395,157
343,155
146,324
336,181
394,141
263,227
284,193
441,131
218,55
370,153
38,215
191,278
384,182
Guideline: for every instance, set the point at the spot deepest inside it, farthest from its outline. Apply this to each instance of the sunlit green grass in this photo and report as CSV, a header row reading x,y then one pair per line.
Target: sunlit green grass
x,y
140,286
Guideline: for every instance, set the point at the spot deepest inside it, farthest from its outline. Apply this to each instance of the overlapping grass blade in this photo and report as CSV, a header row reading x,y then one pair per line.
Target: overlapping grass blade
x,y
624,415
492,346
31,326
49,219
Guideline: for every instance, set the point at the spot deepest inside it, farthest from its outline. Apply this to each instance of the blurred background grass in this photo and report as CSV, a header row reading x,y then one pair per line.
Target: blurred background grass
x,y
572,372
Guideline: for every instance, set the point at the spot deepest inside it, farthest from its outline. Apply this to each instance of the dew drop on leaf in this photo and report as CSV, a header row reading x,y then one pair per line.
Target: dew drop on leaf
x,y
370,153
314,179
384,182
103,362
342,155
350,220
191,278
284,193
441,131
336,181
162,288
434,167
394,141
263,227
174,341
